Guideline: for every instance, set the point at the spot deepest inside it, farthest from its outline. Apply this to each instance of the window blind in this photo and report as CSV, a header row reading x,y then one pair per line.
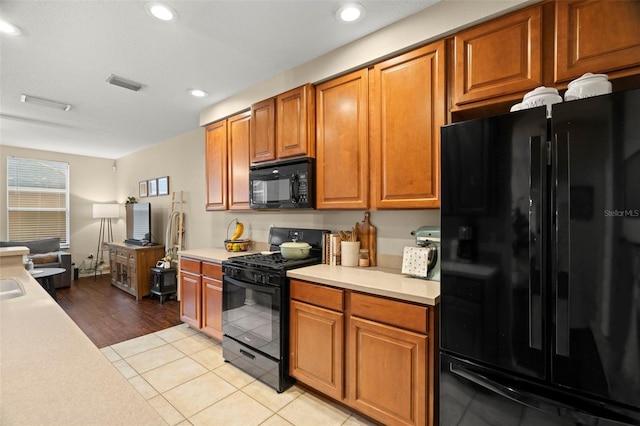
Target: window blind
x,y
37,199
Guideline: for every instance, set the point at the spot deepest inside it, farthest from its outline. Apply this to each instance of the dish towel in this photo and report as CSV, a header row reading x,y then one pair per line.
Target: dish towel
x,y
415,261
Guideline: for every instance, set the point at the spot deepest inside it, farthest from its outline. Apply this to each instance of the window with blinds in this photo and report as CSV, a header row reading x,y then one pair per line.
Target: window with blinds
x,y
37,199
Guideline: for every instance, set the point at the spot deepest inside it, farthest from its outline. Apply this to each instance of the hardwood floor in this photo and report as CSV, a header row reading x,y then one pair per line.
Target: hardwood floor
x,y
108,315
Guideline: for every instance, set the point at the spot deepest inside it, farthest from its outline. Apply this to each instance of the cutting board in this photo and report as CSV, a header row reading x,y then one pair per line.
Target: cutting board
x,y
368,238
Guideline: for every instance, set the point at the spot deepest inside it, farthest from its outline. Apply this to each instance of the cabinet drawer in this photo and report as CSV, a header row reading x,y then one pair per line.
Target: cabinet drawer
x,y
392,312
190,265
212,270
330,298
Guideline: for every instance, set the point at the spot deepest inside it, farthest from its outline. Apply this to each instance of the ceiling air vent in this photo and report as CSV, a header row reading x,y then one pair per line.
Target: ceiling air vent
x,y
123,82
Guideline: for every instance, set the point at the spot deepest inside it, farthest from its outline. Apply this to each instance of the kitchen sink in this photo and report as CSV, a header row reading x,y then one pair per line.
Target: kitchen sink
x,y
10,289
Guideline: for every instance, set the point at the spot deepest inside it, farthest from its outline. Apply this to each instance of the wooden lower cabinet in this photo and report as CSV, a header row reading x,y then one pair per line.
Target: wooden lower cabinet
x,y
387,372
374,354
316,342
201,296
190,292
131,267
212,300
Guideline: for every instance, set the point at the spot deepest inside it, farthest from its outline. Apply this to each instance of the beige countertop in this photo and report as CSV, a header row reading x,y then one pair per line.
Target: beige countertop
x,y
215,255
379,281
50,372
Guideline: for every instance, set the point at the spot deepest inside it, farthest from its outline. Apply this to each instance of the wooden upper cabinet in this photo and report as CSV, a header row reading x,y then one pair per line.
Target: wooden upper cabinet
x,y
596,36
499,58
216,165
342,170
407,110
295,118
238,131
263,131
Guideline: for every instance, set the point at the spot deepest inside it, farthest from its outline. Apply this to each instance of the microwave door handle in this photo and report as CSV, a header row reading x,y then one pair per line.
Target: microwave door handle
x,y
294,189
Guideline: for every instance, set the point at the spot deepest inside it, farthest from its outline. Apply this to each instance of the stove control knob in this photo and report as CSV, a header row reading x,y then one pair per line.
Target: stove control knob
x,y
257,278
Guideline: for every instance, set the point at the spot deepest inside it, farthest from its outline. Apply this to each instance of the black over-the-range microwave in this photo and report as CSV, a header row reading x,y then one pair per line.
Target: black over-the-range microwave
x,y
288,184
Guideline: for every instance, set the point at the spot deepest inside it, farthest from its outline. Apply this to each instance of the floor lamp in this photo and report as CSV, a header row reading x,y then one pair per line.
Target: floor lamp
x,y
104,212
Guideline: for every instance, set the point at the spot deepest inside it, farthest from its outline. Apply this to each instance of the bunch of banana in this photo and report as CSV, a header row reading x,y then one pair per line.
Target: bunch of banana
x,y
239,230
234,243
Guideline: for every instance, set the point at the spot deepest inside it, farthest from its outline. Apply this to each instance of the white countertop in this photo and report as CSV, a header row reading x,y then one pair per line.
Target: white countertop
x,y
50,372
379,281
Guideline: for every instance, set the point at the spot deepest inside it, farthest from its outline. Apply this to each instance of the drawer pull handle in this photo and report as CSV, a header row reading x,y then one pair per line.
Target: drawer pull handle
x,y
247,354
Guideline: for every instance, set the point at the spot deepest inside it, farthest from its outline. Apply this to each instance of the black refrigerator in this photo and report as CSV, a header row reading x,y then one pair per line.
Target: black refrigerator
x,y
540,284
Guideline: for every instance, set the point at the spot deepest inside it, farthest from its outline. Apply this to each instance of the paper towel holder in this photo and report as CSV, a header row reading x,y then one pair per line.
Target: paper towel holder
x,y
429,237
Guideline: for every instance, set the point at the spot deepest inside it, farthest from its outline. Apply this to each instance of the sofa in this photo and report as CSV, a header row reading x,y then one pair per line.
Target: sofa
x,y
46,253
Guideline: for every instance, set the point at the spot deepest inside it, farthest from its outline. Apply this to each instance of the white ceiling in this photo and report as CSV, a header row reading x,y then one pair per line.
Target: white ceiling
x,y
68,49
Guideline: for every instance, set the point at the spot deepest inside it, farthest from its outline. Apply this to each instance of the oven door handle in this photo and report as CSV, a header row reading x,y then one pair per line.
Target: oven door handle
x,y
261,288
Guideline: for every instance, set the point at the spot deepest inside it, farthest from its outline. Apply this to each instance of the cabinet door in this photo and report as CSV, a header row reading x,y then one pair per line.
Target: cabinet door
x,y
408,108
499,58
132,273
113,266
316,348
295,118
190,299
596,36
342,166
387,372
216,165
238,152
212,307
263,131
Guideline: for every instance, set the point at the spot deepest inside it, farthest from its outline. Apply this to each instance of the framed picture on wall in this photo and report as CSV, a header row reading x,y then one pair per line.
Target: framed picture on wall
x,y
142,189
163,185
153,187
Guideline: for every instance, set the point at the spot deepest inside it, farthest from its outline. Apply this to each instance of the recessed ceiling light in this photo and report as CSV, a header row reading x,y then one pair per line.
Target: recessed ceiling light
x,y
350,12
9,29
161,11
198,93
44,102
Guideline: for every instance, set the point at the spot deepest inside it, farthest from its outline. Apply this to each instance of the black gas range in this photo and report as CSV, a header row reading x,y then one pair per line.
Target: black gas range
x,y
255,306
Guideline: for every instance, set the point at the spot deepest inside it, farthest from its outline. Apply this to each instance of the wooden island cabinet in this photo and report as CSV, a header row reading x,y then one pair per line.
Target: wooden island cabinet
x,y
375,354
131,267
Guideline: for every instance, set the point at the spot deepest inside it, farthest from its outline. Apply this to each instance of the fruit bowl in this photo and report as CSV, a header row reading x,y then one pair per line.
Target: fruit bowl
x,y
236,245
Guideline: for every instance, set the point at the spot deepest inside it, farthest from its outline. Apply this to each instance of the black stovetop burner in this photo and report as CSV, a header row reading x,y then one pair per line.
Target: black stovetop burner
x,y
272,261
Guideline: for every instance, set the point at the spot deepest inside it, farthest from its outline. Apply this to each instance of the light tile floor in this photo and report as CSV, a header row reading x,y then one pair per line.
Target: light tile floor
x,y
182,374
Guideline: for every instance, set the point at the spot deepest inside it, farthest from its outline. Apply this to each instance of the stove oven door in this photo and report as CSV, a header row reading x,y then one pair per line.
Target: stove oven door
x,y
252,321
251,315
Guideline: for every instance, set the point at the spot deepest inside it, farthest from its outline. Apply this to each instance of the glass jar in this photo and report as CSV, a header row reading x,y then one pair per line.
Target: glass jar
x,y
363,258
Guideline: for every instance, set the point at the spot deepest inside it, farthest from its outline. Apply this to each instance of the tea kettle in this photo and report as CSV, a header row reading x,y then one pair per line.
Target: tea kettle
x,y
423,261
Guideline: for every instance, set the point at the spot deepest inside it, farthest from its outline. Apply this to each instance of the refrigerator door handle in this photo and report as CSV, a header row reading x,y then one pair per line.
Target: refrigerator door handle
x,y
562,255
537,161
541,403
